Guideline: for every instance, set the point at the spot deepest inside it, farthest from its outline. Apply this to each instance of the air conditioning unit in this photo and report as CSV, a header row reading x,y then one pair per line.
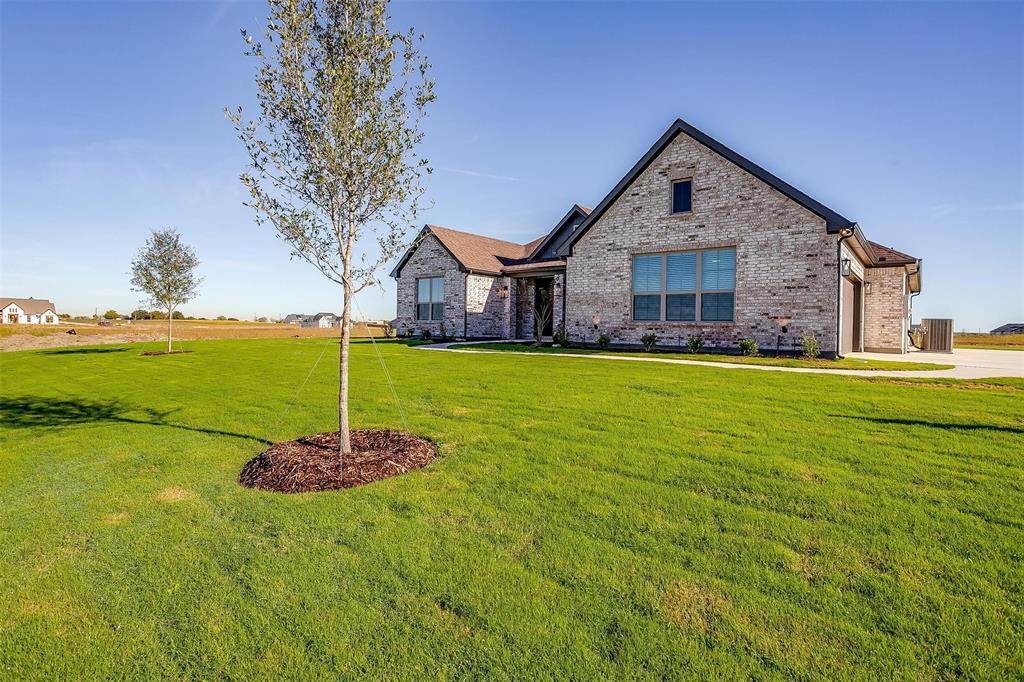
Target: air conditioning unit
x,y
938,336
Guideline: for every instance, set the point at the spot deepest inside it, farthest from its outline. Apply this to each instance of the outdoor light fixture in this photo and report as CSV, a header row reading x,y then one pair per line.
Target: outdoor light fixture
x,y
503,291
867,287
783,323
847,270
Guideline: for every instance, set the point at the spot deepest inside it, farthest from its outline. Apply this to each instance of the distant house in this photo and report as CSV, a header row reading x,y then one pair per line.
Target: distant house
x,y
294,318
321,320
1012,328
28,311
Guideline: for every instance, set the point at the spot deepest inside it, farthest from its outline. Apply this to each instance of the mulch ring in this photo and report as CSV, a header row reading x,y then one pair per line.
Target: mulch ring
x,y
311,462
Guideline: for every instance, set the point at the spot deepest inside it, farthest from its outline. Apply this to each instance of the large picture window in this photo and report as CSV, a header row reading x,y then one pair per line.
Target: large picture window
x,y
430,298
685,286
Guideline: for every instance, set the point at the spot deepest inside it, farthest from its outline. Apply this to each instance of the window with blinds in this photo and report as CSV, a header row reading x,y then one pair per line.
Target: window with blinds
x,y
430,298
685,286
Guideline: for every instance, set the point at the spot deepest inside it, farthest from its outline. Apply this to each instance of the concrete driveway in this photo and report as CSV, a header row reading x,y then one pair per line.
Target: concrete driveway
x,y
969,363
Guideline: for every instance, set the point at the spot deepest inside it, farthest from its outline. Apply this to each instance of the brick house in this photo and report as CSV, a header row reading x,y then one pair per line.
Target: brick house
x,y
694,240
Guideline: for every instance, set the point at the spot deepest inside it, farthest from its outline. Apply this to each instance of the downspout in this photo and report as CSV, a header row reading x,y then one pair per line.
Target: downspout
x,y
910,318
844,234
465,305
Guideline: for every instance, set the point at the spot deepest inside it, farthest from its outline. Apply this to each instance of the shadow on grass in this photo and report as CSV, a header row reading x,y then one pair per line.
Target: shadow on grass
x,y
934,425
28,412
83,351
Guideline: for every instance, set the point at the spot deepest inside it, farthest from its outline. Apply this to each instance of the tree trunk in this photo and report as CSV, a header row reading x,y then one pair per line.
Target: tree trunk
x,y
344,437
170,316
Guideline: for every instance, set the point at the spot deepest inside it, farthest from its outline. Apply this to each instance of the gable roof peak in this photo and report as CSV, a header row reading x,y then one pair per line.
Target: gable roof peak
x,y
834,222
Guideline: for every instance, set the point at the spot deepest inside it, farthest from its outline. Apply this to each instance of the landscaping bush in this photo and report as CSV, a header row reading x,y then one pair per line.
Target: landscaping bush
x,y
561,337
649,340
748,347
694,344
812,348
389,330
443,333
603,340
425,334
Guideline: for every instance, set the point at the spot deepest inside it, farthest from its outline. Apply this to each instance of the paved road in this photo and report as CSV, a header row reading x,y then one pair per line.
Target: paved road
x,y
969,363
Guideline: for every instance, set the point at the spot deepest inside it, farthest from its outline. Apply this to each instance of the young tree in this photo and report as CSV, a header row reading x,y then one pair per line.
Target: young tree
x,y
111,315
165,270
333,151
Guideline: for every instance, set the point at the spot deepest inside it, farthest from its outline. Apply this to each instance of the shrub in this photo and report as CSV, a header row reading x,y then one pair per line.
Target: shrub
x,y
650,340
425,334
408,333
694,344
443,333
389,330
603,340
748,346
561,337
812,348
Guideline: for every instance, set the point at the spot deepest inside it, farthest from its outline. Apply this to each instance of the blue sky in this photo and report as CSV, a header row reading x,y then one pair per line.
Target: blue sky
x,y
906,117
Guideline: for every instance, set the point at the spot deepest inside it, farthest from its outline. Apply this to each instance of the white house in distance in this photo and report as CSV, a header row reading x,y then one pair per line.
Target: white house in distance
x,y
27,311
321,320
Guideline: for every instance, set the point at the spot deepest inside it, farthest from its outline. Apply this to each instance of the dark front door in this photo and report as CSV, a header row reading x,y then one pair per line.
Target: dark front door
x,y
544,300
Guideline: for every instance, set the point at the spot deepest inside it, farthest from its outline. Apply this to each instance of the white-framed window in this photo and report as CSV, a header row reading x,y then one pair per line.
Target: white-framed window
x,y
430,298
685,286
49,319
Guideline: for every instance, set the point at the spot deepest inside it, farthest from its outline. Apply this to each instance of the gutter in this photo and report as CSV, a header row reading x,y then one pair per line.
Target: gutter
x,y
844,234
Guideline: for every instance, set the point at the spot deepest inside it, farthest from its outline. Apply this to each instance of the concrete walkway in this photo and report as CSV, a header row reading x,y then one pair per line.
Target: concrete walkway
x,y
969,363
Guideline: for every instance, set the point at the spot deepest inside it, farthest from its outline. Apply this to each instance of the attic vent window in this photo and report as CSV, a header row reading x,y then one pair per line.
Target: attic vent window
x,y
682,196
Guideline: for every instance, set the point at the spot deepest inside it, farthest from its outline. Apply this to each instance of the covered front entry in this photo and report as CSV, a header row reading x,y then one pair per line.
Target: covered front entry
x,y
539,295
852,317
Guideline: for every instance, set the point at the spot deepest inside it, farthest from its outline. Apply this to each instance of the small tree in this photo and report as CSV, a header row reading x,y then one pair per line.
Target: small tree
x,y
140,314
165,270
332,154
111,315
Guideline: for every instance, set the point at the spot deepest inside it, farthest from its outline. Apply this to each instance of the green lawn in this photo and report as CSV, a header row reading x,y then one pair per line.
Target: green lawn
x,y
844,363
586,519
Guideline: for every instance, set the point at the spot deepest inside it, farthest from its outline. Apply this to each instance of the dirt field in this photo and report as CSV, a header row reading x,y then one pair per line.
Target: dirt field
x,y
997,342
27,337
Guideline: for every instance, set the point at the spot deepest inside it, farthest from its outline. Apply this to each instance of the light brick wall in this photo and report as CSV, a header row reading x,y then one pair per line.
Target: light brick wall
x,y
885,310
431,260
487,311
786,263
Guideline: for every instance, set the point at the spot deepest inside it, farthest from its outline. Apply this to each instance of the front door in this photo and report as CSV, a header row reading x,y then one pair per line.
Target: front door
x,y
851,341
544,300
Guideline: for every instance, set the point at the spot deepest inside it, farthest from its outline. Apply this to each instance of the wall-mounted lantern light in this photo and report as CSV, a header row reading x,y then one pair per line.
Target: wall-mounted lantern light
x,y
503,291
867,287
847,269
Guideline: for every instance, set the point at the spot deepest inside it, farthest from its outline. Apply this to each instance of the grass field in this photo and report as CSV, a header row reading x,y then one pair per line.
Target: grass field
x,y
587,519
820,363
989,341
